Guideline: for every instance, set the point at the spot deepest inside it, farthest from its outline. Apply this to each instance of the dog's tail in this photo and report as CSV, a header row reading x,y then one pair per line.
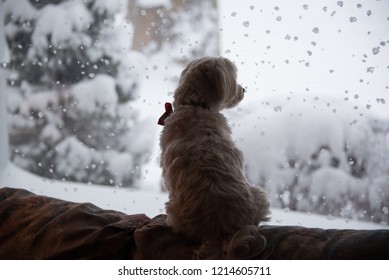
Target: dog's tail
x,y
244,244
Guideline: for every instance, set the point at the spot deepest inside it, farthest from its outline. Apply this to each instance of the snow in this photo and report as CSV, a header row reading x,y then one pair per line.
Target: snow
x,y
126,73
72,156
97,94
61,23
110,6
326,178
51,133
296,127
115,39
378,193
38,102
144,137
119,164
21,9
153,3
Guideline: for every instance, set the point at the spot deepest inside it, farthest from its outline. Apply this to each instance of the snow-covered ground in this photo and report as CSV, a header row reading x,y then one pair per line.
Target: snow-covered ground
x,y
309,69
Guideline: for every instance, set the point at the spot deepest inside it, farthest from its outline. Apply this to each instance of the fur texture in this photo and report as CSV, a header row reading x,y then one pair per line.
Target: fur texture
x,y
210,199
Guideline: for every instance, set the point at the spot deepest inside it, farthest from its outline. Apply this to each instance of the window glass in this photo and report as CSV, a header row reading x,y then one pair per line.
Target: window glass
x,y
314,123
86,81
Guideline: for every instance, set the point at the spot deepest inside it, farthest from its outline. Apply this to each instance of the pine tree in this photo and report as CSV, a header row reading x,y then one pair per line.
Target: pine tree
x,y
71,84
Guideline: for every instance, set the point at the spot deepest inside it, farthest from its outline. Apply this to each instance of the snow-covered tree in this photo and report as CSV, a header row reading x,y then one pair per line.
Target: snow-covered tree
x,y
72,82
202,18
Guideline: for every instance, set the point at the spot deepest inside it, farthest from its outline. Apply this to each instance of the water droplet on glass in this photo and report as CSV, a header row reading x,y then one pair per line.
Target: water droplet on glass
x,y
354,122
376,50
278,109
370,69
353,19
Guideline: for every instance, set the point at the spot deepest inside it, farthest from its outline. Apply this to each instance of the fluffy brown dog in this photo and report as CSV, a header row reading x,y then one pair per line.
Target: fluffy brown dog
x,y
210,199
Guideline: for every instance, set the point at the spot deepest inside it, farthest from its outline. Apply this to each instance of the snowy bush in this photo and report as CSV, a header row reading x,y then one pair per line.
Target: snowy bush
x,y
312,159
72,80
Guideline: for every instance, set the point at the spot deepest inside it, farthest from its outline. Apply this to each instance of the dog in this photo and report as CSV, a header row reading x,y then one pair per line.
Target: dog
x,y
210,199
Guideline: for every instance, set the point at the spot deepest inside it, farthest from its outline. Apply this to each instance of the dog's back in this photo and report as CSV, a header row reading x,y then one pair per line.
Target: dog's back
x,y
210,199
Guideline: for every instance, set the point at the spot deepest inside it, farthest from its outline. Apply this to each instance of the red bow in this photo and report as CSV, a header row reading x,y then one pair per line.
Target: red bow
x,y
168,112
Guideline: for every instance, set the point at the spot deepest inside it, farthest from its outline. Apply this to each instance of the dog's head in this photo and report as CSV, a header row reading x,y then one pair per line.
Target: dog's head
x,y
209,82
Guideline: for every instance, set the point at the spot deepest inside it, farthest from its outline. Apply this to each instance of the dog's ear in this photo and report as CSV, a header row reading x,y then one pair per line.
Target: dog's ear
x,y
218,77
197,84
228,89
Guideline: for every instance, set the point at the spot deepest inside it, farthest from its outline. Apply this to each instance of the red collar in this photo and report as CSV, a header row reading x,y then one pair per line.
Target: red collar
x,y
168,112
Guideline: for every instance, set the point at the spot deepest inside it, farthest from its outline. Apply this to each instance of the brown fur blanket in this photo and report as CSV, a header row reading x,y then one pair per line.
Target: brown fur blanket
x,y
39,227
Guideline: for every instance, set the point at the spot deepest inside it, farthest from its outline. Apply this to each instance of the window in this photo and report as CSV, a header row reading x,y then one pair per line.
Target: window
x,y
87,80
